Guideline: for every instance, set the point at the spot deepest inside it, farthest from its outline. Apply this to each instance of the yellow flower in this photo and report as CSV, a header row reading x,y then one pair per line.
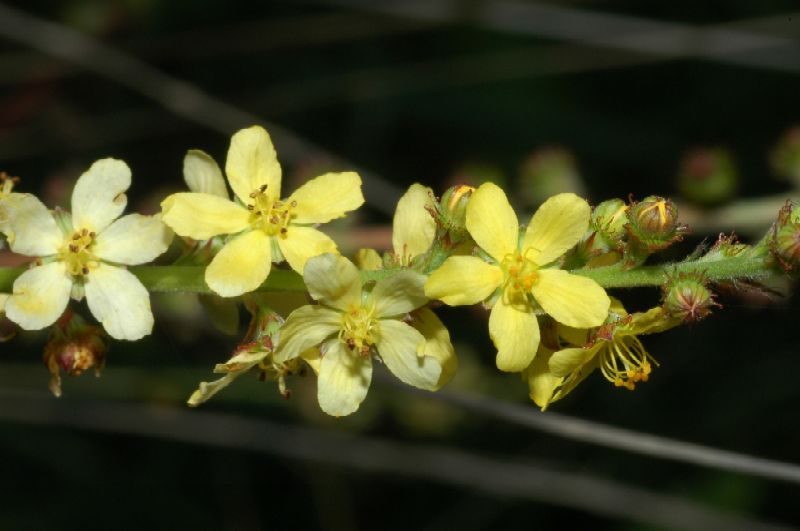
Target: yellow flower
x,y
613,348
350,324
524,270
82,253
263,228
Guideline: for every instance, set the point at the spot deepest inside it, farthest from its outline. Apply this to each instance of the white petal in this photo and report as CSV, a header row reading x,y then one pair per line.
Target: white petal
x,y
399,294
118,300
413,226
306,327
334,281
399,347
99,195
133,239
344,379
30,226
202,174
40,296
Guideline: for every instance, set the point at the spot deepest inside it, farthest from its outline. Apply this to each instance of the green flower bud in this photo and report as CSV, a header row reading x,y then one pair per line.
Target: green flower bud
x,y
708,176
687,297
454,206
609,218
653,225
787,244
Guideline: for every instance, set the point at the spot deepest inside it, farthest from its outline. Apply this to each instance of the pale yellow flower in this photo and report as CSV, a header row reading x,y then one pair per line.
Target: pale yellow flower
x,y
82,254
521,277
350,325
262,227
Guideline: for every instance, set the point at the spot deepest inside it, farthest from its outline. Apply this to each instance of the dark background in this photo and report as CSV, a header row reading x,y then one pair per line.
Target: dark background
x,y
434,95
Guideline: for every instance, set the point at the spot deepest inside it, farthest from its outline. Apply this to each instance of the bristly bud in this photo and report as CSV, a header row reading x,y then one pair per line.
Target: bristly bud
x,y
708,176
653,223
453,208
785,158
785,241
609,219
687,297
602,245
73,347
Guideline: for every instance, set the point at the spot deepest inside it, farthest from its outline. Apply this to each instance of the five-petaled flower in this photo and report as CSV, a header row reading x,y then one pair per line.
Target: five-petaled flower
x,y
350,324
82,254
262,227
521,277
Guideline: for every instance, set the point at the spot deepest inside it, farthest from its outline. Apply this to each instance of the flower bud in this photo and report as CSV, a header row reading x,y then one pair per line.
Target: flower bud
x,y
787,244
73,347
609,219
453,208
653,223
708,176
687,297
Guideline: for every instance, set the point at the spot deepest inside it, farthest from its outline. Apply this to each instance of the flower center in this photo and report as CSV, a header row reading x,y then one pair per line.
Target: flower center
x,y
360,330
624,362
270,215
77,254
521,273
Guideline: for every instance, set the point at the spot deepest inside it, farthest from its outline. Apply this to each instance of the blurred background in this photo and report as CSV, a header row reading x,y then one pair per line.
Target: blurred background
x,y
607,98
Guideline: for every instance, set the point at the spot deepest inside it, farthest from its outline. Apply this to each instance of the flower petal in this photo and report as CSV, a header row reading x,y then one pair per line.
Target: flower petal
x,y
30,227
566,361
572,300
99,195
334,281
368,260
203,216
515,334
463,280
202,174
398,294
327,197
344,379
133,239
437,343
557,226
400,346
413,227
252,162
302,243
40,296
492,222
542,384
241,266
118,300
306,327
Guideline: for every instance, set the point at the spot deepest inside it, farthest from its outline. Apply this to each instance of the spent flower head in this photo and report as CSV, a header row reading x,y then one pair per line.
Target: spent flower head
x,y
520,277
262,228
84,254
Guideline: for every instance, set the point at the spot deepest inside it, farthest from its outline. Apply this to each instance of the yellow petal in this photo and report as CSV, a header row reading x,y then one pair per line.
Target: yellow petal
x,y
99,195
241,266
368,260
252,162
652,321
515,333
566,361
40,296
344,379
413,227
327,197
398,346
437,343
334,281
203,216
542,384
556,227
398,294
301,243
133,239
572,300
119,302
306,327
463,280
492,222
31,228
202,174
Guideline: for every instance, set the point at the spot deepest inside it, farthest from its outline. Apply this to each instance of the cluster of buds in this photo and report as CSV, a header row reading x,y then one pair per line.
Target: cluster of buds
x,y
74,347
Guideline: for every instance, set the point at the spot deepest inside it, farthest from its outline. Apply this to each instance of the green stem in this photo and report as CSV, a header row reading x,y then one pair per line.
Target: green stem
x,y
190,279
